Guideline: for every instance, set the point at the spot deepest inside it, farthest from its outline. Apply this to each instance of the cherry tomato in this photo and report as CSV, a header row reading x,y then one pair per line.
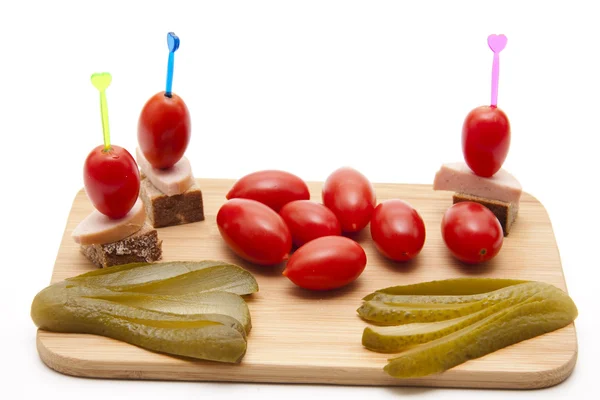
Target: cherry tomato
x,y
309,220
397,230
164,130
254,231
271,187
485,140
326,263
472,232
112,180
351,197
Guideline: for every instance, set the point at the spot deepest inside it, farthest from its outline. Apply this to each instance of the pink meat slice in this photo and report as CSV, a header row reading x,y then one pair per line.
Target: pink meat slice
x,y
458,177
170,181
97,228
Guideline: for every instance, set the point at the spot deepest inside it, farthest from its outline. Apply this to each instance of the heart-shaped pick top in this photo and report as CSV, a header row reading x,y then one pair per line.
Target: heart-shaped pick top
x,y
101,80
172,42
497,42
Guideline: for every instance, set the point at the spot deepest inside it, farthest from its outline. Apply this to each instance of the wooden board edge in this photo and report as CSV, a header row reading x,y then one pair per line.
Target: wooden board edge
x,y
82,368
562,269
55,361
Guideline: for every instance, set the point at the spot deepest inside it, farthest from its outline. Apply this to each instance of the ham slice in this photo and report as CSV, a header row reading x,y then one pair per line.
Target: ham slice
x,y
458,177
170,181
97,228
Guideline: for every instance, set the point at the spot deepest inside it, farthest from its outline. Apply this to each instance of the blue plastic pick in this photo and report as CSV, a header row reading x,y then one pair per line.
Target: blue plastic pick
x,y
173,43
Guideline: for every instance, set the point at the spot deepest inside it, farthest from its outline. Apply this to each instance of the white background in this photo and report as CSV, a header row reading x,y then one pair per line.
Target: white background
x,y
304,86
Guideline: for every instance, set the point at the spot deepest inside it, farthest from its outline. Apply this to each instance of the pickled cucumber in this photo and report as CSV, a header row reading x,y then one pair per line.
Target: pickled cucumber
x,y
512,325
195,303
393,339
403,309
448,287
206,336
380,313
191,309
400,299
177,277
488,315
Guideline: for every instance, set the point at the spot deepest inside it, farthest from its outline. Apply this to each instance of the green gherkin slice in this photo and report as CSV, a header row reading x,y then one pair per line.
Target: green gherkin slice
x,y
380,313
448,287
403,309
214,337
135,273
544,312
401,299
195,303
172,278
393,339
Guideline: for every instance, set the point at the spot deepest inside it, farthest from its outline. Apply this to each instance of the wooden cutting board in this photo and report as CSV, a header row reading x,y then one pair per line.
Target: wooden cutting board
x,y
309,337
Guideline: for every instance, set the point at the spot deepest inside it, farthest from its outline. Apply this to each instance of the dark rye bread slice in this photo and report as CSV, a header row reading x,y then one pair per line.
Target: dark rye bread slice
x,y
505,212
163,210
142,246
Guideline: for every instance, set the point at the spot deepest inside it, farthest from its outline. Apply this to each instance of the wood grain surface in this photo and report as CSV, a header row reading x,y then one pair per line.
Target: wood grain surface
x,y
308,337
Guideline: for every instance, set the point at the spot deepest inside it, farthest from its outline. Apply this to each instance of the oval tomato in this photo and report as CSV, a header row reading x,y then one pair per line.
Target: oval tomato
x,y
397,230
326,263
271,187
309,220
112,180
485,140
254,231
351,197
164,130
472,232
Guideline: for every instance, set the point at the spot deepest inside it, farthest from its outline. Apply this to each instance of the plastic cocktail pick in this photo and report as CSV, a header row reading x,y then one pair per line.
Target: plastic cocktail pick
x,y
101,81
173,43
497,43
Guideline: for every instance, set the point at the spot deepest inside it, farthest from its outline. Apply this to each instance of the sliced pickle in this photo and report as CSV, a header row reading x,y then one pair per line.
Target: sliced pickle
x,y
172,278
544,312
381,313
206,336
388,313
136,273
449,287
400,299
191,309
393,339
489,314
195,303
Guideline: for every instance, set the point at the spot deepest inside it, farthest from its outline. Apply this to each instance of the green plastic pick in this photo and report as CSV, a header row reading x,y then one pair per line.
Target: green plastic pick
x,y
101,81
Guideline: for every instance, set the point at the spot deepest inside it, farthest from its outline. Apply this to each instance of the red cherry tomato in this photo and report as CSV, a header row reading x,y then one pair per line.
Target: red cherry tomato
x,y
397,230
326,263
112,180
254,231
485,140
351,197
309,220
472,232
164,130
271,187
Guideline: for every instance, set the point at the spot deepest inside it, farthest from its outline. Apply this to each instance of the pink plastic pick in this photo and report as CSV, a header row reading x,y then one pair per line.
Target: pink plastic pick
x,y
497,43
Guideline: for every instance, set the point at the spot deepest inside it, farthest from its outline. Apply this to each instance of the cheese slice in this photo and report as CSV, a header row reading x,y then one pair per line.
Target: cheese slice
x,y
171,181
458,177
97,228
